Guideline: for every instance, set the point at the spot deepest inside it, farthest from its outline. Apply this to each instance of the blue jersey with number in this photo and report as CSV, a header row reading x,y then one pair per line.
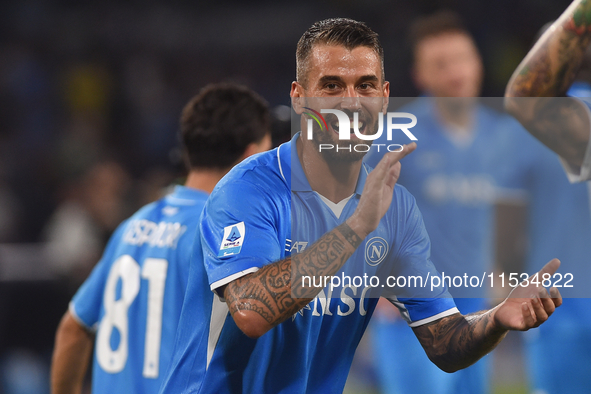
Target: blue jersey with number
x,y
264,210
134,295
456,183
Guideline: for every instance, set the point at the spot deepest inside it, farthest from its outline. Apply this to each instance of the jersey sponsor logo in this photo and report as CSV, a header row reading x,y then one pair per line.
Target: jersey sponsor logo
x,y
298,246
232,240
170,211
160,235
472,189
376,250
351,299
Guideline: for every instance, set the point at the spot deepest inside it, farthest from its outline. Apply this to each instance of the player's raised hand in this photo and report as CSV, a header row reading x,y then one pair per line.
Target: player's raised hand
x,y
377,192
529,304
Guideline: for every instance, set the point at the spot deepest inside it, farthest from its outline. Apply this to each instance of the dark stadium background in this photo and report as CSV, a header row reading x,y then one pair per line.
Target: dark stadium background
x,y
90,94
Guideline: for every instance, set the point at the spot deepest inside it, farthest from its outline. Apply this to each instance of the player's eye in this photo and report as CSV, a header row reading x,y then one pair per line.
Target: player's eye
x,y
331,86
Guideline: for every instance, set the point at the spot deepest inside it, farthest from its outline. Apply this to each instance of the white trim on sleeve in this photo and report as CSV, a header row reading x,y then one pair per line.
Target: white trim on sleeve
x,y
583,173
434,317
222,282
75,316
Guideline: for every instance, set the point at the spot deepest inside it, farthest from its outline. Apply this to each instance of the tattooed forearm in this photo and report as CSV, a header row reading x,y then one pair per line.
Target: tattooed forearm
x,y
276,291
551,66
457,341
535,93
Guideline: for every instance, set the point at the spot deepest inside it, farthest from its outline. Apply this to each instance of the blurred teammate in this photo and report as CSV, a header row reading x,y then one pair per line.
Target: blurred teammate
x,y
296,211
456,176
559,223
134,295
547,72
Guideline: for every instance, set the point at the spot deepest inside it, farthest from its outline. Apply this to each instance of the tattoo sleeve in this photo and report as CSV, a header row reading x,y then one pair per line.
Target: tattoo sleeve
x,y
277,291
458,341
551,66
546,73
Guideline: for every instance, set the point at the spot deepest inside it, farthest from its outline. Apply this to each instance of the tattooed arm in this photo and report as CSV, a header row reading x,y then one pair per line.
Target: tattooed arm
x,y
263,299
458,341
547,72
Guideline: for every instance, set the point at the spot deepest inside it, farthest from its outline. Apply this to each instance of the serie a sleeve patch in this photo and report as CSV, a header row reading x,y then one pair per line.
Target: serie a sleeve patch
x,y
232,240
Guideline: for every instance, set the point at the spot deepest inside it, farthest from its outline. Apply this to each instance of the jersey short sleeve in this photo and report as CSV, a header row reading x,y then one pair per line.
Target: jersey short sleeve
x,y
583,173
85,307
238,231
419,304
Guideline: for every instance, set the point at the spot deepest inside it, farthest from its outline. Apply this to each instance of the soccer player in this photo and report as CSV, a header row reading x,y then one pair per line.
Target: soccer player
x,y
559,224
457,178
547,72
132,300
296,212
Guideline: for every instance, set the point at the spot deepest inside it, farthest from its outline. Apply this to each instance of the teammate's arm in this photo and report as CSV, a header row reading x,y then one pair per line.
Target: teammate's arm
x,y
261,300
547,72
72,352
458,341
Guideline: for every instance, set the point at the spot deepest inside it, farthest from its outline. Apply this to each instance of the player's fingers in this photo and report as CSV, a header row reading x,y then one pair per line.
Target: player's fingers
x,y
528,317
548,304
550,268
556,297
538,309
393,175
385,166
393,157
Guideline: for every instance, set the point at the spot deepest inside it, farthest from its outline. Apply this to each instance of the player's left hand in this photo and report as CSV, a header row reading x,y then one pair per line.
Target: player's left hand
x,y
529,304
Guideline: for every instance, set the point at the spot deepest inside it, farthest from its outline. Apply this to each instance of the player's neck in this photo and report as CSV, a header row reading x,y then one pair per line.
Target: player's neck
x,y
204,179
456,112
333,180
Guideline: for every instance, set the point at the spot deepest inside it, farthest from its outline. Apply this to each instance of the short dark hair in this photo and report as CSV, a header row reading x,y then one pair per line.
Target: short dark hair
x,y
220,122
440,22
335,31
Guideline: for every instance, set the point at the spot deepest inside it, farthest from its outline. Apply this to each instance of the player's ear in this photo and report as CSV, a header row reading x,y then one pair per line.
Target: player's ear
x,y
297,97
386,92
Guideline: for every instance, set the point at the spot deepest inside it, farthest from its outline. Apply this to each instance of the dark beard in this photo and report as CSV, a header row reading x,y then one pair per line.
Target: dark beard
x,y
342,155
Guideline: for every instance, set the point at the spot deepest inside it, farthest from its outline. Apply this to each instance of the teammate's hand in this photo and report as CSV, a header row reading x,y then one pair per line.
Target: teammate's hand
x,y
528,307
377,192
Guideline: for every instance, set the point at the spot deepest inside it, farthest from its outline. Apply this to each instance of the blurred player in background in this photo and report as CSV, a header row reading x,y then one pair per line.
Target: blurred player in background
x,y
270,334
134,295
457,175
559,213
548,71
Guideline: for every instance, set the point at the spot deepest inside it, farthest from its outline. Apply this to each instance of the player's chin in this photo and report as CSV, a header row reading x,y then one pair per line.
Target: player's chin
x,y
346,151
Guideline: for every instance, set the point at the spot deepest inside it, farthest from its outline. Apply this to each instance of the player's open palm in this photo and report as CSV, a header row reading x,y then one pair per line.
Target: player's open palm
x,y
530,304
379,188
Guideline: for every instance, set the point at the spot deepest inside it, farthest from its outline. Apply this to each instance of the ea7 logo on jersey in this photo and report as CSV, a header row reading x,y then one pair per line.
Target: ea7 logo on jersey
x,y
233,239
376,250
297,246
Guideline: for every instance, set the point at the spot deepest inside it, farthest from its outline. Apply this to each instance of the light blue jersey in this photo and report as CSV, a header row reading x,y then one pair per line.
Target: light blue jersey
x,y
264,210
134,295
456,182
559,225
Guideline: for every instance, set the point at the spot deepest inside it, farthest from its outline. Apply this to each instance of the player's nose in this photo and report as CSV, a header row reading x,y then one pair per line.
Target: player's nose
x,y
351,101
